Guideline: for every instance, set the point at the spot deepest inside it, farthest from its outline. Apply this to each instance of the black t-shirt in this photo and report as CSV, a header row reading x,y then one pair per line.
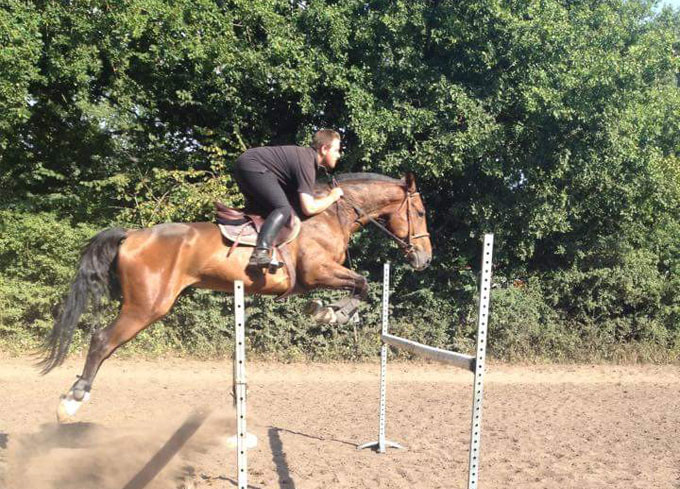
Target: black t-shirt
x,y
293,166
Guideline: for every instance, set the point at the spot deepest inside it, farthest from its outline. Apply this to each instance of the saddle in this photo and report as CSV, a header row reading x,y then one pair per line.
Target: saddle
x,y
241,228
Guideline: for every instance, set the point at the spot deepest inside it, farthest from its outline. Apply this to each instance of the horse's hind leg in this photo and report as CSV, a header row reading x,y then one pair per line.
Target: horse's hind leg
x,y
152,269
103,343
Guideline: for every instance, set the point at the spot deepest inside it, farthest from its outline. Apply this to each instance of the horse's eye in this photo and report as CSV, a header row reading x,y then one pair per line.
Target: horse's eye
x,y
421,214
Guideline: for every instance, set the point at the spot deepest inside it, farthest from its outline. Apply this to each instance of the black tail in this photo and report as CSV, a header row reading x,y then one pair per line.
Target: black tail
x,y
94,279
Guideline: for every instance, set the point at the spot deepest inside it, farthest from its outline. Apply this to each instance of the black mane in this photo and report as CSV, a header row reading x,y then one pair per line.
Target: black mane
x,y
324,180
374,177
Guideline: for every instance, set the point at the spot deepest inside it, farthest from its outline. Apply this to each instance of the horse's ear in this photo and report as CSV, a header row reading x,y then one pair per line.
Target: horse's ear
x,y
410,181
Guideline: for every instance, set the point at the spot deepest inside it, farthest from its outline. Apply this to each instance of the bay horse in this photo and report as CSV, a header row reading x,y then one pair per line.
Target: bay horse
x,y
149,268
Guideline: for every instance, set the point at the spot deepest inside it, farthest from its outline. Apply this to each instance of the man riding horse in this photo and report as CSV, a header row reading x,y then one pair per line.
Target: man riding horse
x,y
271,178
148,268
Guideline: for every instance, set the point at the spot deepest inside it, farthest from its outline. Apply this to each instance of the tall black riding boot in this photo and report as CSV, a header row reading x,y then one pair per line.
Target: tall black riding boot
x,y
261,256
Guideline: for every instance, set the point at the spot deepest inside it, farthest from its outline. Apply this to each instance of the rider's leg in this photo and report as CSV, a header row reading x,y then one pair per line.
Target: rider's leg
x,y
263,192
245,179
276,219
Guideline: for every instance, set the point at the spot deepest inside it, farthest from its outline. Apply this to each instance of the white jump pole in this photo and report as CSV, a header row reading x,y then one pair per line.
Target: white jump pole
x,y
382,443
240,386
466,362
478,389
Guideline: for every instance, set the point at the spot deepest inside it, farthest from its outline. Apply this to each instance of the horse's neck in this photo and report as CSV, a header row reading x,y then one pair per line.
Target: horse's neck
x,y
376,199
373,199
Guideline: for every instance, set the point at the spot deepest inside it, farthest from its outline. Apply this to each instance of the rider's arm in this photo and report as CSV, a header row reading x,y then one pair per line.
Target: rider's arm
x,y
311,205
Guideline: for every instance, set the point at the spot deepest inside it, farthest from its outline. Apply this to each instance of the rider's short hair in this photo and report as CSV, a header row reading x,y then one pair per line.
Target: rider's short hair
x,y
323,137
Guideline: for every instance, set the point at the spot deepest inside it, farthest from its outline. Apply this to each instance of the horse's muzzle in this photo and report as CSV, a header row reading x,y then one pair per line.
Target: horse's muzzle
x,y
419,259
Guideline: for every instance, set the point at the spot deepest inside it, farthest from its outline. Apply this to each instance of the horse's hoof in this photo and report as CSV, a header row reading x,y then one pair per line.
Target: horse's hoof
x,y
187,484
344,318
312,307
68,407
326,316
67,410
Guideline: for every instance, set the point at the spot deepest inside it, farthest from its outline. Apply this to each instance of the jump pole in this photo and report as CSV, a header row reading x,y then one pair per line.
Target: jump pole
x,y
240,386
480,361
383,443
474,364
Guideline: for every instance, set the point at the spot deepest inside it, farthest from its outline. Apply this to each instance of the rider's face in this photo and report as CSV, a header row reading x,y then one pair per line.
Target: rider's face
x,y
331,154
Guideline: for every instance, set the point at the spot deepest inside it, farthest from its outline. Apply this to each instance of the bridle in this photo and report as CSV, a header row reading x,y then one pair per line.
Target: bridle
x,y
406,246
409,205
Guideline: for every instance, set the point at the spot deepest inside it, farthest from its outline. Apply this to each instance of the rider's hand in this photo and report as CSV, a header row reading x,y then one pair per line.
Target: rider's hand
x,y
337,193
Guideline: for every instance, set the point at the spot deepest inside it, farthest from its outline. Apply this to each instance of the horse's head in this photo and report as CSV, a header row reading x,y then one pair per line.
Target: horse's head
x,y
408,222
397,204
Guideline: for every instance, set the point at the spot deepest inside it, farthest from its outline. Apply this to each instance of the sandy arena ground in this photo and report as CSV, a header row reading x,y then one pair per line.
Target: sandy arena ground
x,y
544,427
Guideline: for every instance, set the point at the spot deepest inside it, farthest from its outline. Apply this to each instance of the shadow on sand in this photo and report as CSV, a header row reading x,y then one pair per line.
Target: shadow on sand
x,y
167,451
279,458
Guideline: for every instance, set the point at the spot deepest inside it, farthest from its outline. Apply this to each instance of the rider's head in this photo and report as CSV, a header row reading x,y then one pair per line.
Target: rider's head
x,y
326,142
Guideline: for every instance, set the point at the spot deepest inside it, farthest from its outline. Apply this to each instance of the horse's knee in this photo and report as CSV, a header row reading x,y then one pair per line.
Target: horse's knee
x,y
128,323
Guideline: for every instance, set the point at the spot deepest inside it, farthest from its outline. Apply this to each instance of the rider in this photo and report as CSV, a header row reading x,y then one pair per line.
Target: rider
x,y
272,177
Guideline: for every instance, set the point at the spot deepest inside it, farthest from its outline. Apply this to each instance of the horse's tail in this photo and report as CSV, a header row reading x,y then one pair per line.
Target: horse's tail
x,y
95,279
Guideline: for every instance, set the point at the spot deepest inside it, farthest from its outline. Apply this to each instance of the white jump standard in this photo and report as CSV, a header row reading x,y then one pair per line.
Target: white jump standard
x,y
244,440
473,363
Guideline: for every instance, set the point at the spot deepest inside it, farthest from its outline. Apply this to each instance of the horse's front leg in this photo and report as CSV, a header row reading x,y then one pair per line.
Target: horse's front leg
x,y
337,277
346,308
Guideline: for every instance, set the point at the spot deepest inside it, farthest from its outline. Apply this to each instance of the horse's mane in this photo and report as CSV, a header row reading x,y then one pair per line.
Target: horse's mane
x,y
363,177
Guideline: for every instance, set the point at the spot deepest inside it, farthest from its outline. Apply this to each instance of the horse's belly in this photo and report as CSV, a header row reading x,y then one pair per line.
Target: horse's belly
x,y
221,272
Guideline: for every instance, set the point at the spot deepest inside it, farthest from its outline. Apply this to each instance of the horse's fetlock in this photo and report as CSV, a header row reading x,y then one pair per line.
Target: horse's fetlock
x,y
80,389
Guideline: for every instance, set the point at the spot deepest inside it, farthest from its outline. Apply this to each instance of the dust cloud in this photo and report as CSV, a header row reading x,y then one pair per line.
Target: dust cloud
x,y
156,454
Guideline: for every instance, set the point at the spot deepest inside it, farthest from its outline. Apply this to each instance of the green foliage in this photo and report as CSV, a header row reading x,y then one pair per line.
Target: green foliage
x,y
19,55
38,257
552,123
529,328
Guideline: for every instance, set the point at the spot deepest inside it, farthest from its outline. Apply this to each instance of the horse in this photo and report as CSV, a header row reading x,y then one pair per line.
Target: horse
x,y
148,268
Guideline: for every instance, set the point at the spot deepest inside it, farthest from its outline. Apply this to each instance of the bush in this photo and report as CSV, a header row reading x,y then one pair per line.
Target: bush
x,y
38,257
